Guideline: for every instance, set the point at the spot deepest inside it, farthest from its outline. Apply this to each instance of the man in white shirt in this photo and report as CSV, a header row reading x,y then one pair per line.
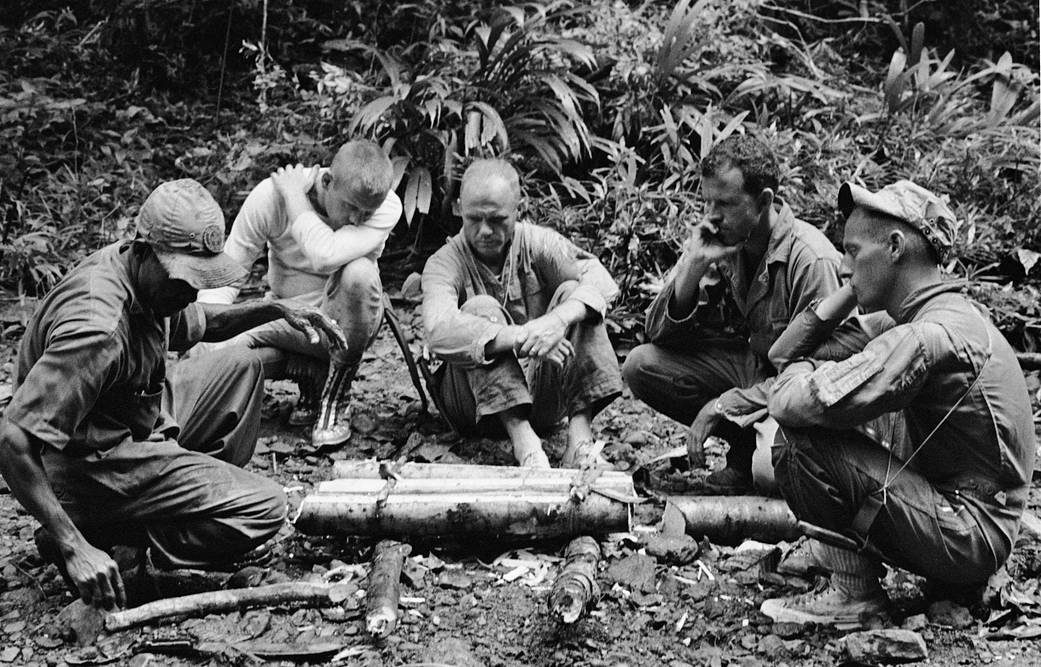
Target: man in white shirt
x,y
324,229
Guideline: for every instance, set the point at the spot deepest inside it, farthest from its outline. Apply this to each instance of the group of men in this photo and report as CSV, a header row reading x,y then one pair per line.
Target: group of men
x,y
760,318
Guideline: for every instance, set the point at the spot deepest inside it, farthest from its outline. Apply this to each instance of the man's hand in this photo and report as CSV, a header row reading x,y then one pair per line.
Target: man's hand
x,y
838,304
700,430
542,336
704,244
313,322
96,577
294,180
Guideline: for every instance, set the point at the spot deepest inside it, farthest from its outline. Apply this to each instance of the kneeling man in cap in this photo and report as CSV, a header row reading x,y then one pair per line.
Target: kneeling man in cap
x,y
946,504
101,447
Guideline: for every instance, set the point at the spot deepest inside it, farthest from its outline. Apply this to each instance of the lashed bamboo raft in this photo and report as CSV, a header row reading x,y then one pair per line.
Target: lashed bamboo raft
x,y
443,500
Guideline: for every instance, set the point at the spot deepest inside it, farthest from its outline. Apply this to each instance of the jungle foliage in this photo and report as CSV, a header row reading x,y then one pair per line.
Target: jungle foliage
x,y
607,106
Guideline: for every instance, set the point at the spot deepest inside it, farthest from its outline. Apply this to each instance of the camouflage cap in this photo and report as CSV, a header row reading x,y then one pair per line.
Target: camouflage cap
x,y
185,227
910,202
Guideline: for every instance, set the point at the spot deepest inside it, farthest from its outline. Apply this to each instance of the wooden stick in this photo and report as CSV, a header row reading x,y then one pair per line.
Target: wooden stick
x,y
575,589
383,592
730,519
213,602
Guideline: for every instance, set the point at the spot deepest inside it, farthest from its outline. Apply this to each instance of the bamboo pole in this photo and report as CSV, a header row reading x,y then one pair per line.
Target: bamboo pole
x,y
383,590
370,469
730,519
620,483
541,514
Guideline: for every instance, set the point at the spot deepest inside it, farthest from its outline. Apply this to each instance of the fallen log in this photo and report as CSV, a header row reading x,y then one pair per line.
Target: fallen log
x,y
383,590
438,500
214,602
731,519
575,589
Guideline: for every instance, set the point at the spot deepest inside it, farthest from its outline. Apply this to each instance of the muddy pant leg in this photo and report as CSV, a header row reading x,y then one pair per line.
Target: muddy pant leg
x,y
353,297
215,398
825,477
589,380
678,384
190,508
470,395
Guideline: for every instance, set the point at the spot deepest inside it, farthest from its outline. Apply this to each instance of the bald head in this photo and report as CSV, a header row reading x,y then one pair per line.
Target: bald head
x,y
490,172
488,200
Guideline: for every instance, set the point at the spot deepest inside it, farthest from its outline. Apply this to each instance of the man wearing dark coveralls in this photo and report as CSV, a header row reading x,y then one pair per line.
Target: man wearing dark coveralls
x,y
100,448
744,272
947,504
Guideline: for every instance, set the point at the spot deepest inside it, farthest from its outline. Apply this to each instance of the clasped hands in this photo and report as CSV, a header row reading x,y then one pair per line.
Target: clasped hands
x,y
544,337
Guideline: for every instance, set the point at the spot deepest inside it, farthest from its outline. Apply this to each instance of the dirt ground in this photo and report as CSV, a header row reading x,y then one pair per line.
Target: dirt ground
x,y
484,604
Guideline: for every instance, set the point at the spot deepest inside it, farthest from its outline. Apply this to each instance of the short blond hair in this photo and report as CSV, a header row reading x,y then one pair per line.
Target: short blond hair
x,y
362,164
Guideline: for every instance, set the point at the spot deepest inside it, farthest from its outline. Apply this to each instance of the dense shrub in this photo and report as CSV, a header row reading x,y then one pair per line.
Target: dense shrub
x,y
608,107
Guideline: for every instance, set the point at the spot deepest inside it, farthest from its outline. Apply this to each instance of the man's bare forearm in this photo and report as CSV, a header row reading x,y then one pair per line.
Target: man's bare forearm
x,y
686,286
22,469
224,321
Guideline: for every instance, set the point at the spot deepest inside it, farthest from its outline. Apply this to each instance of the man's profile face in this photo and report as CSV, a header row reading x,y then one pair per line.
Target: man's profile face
x,y
164,295
346,203
489,209
733,211
867,259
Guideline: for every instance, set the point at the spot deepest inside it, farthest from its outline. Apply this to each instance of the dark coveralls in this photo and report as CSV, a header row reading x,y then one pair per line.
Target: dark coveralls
x,y
951,510
720,349
91,385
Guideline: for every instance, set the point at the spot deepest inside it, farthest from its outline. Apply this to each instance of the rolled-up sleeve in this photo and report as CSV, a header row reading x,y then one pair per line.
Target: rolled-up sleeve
x,y
558,262
660,325
61,388
452,335
883,377
187,328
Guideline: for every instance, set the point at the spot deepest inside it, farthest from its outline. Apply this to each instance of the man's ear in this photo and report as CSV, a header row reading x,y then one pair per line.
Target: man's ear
x,y
897,242
765,200
327,180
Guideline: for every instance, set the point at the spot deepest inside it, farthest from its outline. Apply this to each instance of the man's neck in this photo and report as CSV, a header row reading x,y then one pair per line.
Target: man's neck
x,y
759,240
909,281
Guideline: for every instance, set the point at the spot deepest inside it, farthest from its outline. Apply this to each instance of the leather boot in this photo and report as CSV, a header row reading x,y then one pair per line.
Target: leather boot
x,y
333,427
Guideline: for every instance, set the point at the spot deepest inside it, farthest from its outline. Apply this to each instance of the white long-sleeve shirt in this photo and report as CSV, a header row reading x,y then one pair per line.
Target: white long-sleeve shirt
x,y
302,253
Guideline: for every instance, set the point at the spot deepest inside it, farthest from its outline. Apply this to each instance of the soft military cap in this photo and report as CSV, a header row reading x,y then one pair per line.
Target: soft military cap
x,y
910,202
185,227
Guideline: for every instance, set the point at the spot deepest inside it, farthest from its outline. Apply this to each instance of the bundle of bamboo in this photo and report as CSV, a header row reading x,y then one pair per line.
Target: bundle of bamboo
x,y
429,500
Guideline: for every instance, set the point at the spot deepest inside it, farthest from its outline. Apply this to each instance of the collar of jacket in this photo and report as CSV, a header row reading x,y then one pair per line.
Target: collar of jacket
x,y
919,297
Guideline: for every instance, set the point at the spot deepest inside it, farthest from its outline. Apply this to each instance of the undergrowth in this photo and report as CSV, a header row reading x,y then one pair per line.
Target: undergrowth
x,y
608,107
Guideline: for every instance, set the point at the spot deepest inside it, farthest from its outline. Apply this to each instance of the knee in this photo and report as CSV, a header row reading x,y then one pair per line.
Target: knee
x,y
271,508
483,305
634,370
360,274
